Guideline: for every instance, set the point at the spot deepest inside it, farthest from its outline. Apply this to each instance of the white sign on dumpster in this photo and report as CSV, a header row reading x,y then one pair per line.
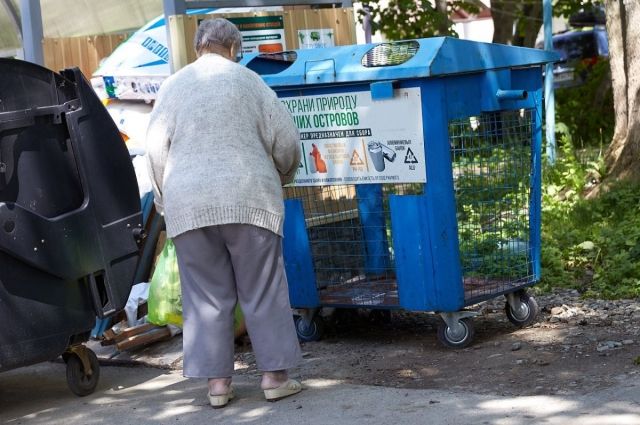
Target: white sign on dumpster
x,y
348,138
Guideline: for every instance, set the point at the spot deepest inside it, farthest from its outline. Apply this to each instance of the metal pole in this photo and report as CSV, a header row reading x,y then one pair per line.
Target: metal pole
x,y
32,31
549,95
366,24
172,7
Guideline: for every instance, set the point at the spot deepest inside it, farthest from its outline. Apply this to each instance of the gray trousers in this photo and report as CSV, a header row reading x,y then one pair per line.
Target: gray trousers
x,y
222,265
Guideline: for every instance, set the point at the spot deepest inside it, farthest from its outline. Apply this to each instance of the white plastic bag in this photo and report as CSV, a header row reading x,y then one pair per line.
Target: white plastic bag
x,y
139,294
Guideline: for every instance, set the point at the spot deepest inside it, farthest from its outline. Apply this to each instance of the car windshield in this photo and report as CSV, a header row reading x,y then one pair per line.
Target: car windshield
x,y
576,46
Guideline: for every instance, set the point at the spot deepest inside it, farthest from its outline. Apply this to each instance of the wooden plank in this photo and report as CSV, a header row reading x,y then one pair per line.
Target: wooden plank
x,y
118,40
98,49
91,57
48,51
83,52
179,47
190,28
67,56
76,55
345,26
58,55
342,21
81,46
290,31
107,44
87,52
154,335
129,332
111,337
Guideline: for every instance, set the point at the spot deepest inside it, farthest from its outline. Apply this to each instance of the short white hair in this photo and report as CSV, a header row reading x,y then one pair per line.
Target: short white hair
x,y
218,31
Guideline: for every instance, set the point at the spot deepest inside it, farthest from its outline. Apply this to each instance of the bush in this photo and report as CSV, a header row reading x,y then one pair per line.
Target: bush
x,y
589,244
587,110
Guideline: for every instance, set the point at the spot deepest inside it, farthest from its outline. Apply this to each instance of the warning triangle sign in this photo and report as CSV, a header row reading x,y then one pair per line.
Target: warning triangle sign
x,y
355,159
410,158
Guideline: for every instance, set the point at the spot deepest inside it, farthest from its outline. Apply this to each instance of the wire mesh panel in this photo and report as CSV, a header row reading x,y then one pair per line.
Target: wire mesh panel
x,y
389,54
491,156
349,229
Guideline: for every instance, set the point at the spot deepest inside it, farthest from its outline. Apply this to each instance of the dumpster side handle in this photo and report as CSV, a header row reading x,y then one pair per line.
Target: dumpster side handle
x,y
511,94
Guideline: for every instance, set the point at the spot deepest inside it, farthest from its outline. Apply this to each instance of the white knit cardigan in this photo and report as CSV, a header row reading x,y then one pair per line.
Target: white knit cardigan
x,y
219,146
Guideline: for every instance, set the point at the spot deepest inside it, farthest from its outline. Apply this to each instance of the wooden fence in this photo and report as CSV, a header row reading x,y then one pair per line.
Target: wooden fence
x,y
342,21
87,52
83,52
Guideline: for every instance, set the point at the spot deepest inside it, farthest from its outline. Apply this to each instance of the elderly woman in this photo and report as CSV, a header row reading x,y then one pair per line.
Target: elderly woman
x,y
219,145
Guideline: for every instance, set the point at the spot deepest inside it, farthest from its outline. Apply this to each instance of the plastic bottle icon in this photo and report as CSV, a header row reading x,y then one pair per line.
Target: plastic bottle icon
x,y
319,163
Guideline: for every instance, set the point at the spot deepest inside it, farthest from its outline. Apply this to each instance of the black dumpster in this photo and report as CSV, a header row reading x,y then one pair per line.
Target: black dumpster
x,y
70,220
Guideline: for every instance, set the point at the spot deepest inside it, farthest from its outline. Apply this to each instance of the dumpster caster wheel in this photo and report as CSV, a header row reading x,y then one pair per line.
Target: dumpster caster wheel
x,y
309,330
82,375
521,308
456,335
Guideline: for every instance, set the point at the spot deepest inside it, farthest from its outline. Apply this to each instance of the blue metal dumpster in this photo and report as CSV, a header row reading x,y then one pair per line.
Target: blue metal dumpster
x,y
419,186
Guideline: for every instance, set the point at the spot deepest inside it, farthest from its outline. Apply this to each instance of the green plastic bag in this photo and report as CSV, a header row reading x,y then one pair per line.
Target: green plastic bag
x,y
165,296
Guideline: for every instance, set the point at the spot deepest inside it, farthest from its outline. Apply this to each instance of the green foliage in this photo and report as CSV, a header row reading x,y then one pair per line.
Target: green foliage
x,y
592,245
409,19
587,110
492,183
589,244
567,8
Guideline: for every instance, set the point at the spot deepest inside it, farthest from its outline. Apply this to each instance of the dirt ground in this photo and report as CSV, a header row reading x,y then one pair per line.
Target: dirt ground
x,y
554,356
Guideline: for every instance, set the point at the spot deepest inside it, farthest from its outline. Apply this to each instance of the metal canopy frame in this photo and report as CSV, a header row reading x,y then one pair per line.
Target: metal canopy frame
x,y
32,33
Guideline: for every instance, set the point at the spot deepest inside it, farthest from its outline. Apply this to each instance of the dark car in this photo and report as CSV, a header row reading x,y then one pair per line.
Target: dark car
x,y
579,50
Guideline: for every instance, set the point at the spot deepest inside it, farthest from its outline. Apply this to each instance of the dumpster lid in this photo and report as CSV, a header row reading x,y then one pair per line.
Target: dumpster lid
x,y
69,201
422,58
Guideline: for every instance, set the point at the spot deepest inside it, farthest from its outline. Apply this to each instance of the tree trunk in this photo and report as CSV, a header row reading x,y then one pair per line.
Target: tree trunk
x,y
532,24
529,24
443,21
623,27
503,13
